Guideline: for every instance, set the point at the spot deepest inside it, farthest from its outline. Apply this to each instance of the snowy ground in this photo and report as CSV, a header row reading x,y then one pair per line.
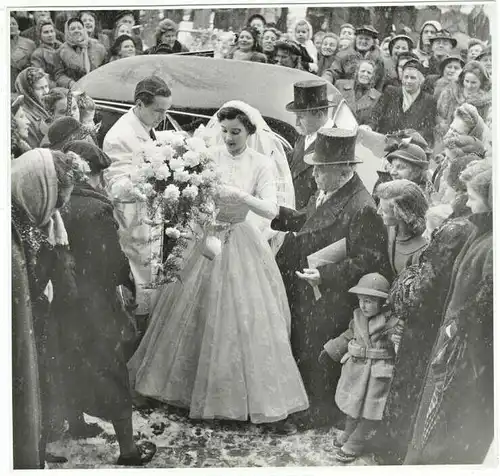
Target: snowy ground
x,y
184,443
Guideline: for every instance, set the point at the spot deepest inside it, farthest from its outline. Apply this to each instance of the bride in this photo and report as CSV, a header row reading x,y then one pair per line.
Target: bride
x,y
218,341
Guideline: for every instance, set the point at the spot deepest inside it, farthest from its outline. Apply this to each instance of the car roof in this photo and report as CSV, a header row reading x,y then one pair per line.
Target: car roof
x,y
201,83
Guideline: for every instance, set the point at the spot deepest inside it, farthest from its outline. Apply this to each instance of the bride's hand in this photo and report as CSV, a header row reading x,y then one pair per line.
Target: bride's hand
x,y
232,193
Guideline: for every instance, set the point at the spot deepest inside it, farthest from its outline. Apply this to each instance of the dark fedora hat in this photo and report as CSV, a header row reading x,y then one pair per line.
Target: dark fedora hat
x,y
410,152
367,30
334,147
444,35
309,95
450,59
400,37
63,130
413,63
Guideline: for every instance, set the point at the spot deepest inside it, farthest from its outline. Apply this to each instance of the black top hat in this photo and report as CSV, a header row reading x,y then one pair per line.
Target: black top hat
x,y
367,30
309,96
400,37
444,35
334,147
450,59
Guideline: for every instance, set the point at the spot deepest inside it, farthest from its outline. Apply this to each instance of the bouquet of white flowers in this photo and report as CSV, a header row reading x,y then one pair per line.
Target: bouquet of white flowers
x,y
177,179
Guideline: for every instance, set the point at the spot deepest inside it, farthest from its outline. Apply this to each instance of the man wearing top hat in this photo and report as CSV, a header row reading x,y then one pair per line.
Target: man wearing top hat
x,y
312,107
341,208
346,62
131,133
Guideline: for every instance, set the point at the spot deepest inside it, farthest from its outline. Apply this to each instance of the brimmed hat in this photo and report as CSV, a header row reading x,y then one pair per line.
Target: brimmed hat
x,y
309,95
97,159
450,59
413,63
400,37
151,85
485,52
372,284
367,29
334,147
444,35
411,153
63,129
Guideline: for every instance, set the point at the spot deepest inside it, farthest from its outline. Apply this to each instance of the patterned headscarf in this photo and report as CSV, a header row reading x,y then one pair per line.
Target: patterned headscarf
x,y
25,81
34,190
83,43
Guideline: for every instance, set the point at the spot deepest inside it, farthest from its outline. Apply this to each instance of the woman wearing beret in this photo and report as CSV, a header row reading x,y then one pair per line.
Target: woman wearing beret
x,y
406,107
450,69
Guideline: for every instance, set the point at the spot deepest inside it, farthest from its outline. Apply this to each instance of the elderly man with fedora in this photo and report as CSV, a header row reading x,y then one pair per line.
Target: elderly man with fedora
x,y
134,131
442,46
312,108
341,208
347,61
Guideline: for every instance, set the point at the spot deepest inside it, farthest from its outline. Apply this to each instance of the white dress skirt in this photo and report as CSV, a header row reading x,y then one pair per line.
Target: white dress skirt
x,y
219,338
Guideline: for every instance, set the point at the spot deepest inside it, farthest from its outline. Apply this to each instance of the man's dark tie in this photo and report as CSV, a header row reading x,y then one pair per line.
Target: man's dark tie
x,y
152,134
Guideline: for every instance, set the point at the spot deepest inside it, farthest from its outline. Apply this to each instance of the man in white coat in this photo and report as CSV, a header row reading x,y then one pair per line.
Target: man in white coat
x,y
133,132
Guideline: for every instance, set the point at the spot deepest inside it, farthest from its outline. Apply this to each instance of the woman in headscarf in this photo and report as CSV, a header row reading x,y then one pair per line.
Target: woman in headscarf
x,y
166,39
406,107
41,183
97,330
43,56
33,84
472,87
78,55
424,48
19,128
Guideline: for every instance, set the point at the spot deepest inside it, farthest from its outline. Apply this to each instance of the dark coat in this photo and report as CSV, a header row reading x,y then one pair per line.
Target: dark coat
x,y
26,414
363,107
454,421
303,180
417,297
256,56
43,57
69,67
97,329
324,63
163,49
349,213
364,383
388,115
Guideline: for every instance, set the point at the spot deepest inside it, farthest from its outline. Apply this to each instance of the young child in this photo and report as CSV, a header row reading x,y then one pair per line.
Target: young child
x,y
366,353
303,35
318,39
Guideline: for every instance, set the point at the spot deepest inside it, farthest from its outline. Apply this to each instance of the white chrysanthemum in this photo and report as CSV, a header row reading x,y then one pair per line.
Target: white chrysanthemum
x,y
122,189
195,179
173,233
171,193
208,175
196,144
176,164
181,176
191,191
163,172
191,159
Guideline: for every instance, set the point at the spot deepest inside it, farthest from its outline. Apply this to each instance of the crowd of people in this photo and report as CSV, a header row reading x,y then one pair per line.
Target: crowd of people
x,y
258,333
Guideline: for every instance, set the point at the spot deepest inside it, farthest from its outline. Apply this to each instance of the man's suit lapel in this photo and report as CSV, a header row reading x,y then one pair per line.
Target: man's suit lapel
x,y
328,212
298,165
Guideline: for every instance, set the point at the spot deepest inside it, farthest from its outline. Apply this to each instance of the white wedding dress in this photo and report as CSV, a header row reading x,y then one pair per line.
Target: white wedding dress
x,y
218,341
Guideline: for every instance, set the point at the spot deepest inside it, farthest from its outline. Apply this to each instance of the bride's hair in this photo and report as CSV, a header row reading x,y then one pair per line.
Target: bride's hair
x,y
233,113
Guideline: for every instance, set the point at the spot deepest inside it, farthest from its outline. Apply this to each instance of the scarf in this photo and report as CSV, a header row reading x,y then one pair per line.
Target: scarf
x,y
34,190
81,46
31,104
409,99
